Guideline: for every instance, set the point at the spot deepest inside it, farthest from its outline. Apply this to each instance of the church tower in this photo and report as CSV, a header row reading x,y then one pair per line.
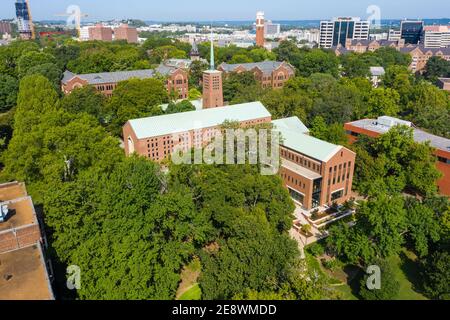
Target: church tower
x,y
260,38
195,54
212,84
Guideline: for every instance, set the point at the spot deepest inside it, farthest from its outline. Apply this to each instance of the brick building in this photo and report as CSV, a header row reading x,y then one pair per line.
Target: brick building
x,y
106,82
23,268
101,33
271,74
374,128
419,54
314,171
156,137
125,32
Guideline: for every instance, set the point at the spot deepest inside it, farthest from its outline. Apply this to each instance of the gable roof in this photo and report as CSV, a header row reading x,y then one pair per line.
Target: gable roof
x,y
267,67
109,77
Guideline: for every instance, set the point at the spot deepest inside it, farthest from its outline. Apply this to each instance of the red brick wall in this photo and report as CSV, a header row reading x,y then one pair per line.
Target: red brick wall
x,y
342,166
161,147
179,81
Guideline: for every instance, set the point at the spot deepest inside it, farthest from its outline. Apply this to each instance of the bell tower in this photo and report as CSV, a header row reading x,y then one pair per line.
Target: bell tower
x,y
260,39
212,84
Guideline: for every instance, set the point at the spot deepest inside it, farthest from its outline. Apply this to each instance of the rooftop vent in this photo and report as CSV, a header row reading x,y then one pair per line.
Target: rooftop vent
x,y
3,213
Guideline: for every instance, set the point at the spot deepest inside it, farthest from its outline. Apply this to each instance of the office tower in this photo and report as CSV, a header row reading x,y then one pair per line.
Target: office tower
x,y
260,29
24,21
100,33
271,28
436,36
411,31
125,32
394,35
337,31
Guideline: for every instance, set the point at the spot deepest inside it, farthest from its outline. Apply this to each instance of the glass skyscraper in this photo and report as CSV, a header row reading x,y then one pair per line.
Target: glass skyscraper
x,y
24,23
411,31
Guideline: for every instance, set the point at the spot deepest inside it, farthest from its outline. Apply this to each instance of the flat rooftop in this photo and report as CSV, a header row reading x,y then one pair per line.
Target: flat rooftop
x,y
23,275
420,136
21,213
10,191
194,120
311,175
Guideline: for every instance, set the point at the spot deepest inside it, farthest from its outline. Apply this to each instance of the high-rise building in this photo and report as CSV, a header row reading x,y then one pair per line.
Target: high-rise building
x,y
394,35
436,36
24,21
411,31
100,33
260,38
125,32
5,27
212,84
271,28
337,31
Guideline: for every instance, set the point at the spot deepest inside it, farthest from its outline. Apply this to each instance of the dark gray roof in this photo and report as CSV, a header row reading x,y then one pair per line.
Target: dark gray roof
x,y
109,77
444,50
267,67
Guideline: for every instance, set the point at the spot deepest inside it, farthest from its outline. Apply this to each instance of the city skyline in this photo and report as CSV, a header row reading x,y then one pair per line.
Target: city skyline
x,y
200,10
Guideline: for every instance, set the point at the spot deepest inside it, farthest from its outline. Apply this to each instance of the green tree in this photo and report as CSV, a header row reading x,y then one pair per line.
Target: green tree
x,y
235,81
240,58
318,61
85,99
390,286
9,88
49,70
437,68
182,106
423,225
334,133
32,59
133,99
436,275
383,102
160,54
196,73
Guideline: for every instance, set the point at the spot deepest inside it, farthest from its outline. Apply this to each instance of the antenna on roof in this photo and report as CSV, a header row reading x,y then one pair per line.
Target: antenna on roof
x,y
212,64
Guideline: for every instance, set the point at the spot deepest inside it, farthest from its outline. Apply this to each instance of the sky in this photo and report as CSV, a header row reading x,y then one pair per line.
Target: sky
x,y
228,10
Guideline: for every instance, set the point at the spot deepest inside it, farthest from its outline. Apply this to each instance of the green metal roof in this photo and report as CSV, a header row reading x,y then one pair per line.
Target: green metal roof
x,y
292,123
298,141
192,120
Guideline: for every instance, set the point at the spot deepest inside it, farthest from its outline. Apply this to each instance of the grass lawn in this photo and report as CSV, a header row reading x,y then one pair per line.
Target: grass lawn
x,y
407,273
404,266
194,293
188,288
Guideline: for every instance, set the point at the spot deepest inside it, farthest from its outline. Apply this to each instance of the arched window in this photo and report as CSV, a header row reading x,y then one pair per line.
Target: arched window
x,y
130,146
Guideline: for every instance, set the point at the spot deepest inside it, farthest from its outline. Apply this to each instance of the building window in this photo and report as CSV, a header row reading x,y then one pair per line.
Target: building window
x,y
337,195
